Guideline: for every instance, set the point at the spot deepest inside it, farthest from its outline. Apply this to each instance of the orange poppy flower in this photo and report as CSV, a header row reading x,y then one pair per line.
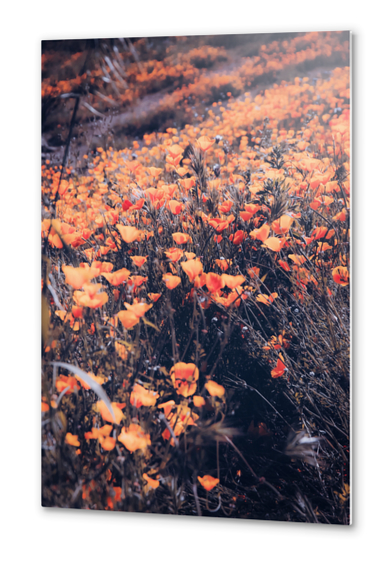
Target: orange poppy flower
x,y
142,397
205,143
174,254
138,309
341,275
274,244
63,382
167,407
128,233
44,407
72,440
267,299
77,311
108,443
89,253
297,259
233,299
151,482
310,164
179,421
222,264
181,171
90,297
63,315
171,281
192,268
302,145
341,216
226,206
134,438
154,296
105,413
284,265
78,276
154,172
323,246
126,205
97,433
260,233
233,281
139,261
103,250
208,482
175,150
173,161
175,207
128,318
200,281
103,267
332,186
184,377
280,368
137,280
138,205
246,216
321,232
190,255
187,183
237,237
133,165
181,238
316,203
199,401
252,208
254,272
117,277
282,225
215,389
218,224
155,195
327,200
214,282
54,239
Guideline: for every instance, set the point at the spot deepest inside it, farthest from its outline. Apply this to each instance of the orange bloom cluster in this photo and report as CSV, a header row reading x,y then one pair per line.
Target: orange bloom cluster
x,y
182,71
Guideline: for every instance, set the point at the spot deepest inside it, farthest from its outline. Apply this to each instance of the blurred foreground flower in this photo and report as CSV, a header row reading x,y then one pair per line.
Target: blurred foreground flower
x,y
208,482
184,377
134,438
341,275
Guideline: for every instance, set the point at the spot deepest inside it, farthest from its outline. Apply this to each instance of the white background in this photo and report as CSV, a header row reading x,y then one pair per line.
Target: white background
x,y
28,529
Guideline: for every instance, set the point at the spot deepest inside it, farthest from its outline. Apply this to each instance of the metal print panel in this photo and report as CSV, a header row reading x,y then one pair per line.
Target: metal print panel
x,y
196,275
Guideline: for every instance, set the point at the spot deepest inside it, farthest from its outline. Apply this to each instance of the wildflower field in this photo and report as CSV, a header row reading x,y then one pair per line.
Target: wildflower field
x,y
196,276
